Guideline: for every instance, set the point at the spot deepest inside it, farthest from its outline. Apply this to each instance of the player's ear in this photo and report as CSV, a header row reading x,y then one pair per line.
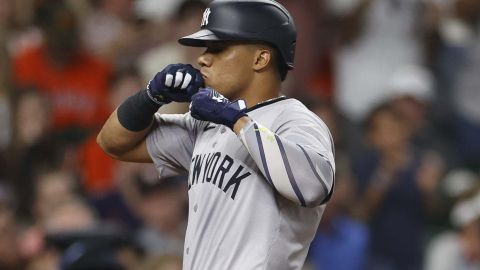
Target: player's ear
x,y
262,59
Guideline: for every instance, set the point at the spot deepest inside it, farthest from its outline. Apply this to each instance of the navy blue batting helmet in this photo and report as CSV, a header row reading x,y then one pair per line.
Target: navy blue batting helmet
x,y
247,20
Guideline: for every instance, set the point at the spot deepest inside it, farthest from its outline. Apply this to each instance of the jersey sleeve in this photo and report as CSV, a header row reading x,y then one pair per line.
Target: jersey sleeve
x,y
297,159
171,142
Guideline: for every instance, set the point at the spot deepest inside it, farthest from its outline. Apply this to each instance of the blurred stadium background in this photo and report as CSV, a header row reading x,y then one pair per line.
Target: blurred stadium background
x,y
396,81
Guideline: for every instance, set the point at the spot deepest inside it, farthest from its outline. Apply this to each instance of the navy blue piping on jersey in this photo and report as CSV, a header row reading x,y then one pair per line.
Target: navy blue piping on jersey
x,y
333,185
262,155
289,172
314,170
267,102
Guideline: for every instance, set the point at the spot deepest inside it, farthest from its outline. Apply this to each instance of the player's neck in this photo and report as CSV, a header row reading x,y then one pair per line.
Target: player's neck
x,y
261,89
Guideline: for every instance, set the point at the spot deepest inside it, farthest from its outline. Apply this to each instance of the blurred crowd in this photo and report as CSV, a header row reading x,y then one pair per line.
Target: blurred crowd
x,y
396,81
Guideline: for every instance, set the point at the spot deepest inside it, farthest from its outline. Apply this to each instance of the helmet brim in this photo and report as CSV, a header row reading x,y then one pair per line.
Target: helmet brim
x,y
198,39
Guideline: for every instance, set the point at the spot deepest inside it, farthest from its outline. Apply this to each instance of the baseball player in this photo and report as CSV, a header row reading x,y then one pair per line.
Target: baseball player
x,y
261,166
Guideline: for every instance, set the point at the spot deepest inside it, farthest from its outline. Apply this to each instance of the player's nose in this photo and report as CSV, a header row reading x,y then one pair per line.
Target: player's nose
x,y
205,60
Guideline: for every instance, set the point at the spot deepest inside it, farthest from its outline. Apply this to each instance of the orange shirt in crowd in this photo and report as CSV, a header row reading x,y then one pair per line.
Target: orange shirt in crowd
x,y
97,168
77,92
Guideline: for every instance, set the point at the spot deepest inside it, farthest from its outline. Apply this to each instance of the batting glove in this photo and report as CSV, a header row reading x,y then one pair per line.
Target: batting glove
x,y
209,105
176,82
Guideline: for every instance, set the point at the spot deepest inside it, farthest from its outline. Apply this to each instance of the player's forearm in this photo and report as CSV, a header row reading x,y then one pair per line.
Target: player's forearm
x,y
116,140
297,172
128,126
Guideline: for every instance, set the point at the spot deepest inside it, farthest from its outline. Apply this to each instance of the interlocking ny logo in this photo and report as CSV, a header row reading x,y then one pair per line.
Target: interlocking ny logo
x,y
206,14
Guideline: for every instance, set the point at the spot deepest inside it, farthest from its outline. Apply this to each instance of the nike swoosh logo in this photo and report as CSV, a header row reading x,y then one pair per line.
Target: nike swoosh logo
x,y
208,126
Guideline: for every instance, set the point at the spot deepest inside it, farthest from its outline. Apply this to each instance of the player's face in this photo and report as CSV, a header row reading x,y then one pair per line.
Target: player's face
x,y
227,67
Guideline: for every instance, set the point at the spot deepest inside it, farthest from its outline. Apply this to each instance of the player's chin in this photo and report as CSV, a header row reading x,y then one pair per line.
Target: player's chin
x,y
210,84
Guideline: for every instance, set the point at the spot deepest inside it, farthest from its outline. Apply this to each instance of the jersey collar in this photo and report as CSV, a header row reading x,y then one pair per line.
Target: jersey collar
x,y
266,102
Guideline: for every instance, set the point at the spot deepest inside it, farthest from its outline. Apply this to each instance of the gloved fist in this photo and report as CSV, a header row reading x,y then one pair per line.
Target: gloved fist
x,y
209,105
176,82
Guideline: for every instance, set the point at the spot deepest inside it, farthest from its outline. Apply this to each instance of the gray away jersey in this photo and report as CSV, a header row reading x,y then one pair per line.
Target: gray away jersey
x,y
255,200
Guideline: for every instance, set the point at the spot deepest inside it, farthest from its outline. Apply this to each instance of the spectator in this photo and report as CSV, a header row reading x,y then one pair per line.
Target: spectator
x,y
33,147
57,209
72,215
458,250
74,82
397,185
105,24
69,216
410,91
52,189
457,64
411,94
162,207
114,32
32,118
376,38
